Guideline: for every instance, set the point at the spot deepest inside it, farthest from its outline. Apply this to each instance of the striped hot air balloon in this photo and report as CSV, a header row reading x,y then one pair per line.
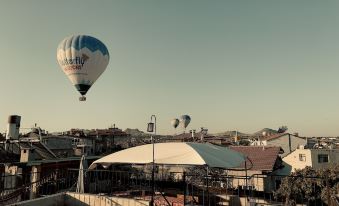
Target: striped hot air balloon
x,y
83,59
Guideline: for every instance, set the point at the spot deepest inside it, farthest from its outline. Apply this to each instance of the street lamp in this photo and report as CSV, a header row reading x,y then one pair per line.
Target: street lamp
x,y
152,127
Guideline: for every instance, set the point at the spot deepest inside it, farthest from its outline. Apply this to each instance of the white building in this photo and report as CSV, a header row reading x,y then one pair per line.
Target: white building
x,y
315,158
287,142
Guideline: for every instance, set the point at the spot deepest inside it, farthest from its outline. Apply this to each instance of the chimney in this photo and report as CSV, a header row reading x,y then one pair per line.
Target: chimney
x,y
13,126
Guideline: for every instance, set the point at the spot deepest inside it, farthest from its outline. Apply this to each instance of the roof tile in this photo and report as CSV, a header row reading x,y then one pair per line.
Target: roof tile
x,y
263,158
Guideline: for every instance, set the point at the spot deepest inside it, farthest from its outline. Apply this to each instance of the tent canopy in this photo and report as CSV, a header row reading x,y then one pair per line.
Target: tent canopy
x,y
175,153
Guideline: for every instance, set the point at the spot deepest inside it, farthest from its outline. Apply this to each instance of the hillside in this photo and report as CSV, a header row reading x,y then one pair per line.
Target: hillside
x,y
241,134
231,133
267,130
136,132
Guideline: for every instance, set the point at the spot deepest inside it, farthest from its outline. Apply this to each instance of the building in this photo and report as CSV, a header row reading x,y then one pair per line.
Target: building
x,y
262,164
109,140
199,137
286,141
315,158
99,141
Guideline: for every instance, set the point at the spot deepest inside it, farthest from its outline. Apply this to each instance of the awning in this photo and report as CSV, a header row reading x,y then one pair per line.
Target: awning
x,y
174,153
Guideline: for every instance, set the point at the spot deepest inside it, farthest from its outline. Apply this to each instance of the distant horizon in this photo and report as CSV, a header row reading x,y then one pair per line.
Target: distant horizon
x,y
175,132
230,65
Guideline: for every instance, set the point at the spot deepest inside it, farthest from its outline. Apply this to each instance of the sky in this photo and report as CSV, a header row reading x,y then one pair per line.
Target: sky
x,y
230,65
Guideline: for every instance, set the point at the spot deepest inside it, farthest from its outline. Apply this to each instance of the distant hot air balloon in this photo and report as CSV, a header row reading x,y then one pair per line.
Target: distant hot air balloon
x,y
185,120
83,59
175,123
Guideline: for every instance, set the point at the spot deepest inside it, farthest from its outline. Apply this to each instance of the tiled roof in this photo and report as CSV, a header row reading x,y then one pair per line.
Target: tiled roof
x,y
39,149
262,158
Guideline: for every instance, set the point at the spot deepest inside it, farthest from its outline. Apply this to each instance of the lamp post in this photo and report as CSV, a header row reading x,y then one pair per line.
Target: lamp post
x,y
151,127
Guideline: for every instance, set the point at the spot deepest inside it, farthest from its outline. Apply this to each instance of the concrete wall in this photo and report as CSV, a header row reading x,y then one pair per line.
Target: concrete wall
x,y
333,157
51,200
76,199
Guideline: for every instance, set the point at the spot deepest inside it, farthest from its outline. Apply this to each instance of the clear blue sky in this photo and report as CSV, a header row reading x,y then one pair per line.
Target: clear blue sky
x,y
230,65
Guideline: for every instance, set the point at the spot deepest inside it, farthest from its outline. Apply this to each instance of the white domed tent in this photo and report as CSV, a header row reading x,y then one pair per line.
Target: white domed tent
x,y
174,153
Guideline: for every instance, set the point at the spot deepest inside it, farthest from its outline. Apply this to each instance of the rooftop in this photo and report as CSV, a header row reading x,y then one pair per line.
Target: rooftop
x,y
275,136
262,158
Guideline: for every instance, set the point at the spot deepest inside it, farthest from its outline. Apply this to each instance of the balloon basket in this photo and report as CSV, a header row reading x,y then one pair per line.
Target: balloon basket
x,y
82,99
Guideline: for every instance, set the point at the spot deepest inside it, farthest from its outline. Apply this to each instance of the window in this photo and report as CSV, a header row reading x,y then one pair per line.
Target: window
x,y
322,158
302,157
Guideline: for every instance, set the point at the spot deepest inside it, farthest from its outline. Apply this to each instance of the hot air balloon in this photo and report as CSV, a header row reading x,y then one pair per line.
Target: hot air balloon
x,y
175,123
185,120
83,59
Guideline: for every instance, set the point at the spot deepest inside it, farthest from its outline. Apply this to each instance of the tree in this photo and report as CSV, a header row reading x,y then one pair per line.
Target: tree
x,y
310,184
244,142
286,191
282,129
329,183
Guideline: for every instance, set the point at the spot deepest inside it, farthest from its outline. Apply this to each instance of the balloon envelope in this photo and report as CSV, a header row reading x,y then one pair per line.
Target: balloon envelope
x,y
175,123
185,120
83,59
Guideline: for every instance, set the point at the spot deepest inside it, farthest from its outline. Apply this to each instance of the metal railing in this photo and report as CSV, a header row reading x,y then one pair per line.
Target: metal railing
x,y
20,187
175,188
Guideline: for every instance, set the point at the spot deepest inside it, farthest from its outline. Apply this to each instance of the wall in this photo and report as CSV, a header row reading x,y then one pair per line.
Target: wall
x,y
333,157
10,179
51,200
311,158
293,159
258,180
76,199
